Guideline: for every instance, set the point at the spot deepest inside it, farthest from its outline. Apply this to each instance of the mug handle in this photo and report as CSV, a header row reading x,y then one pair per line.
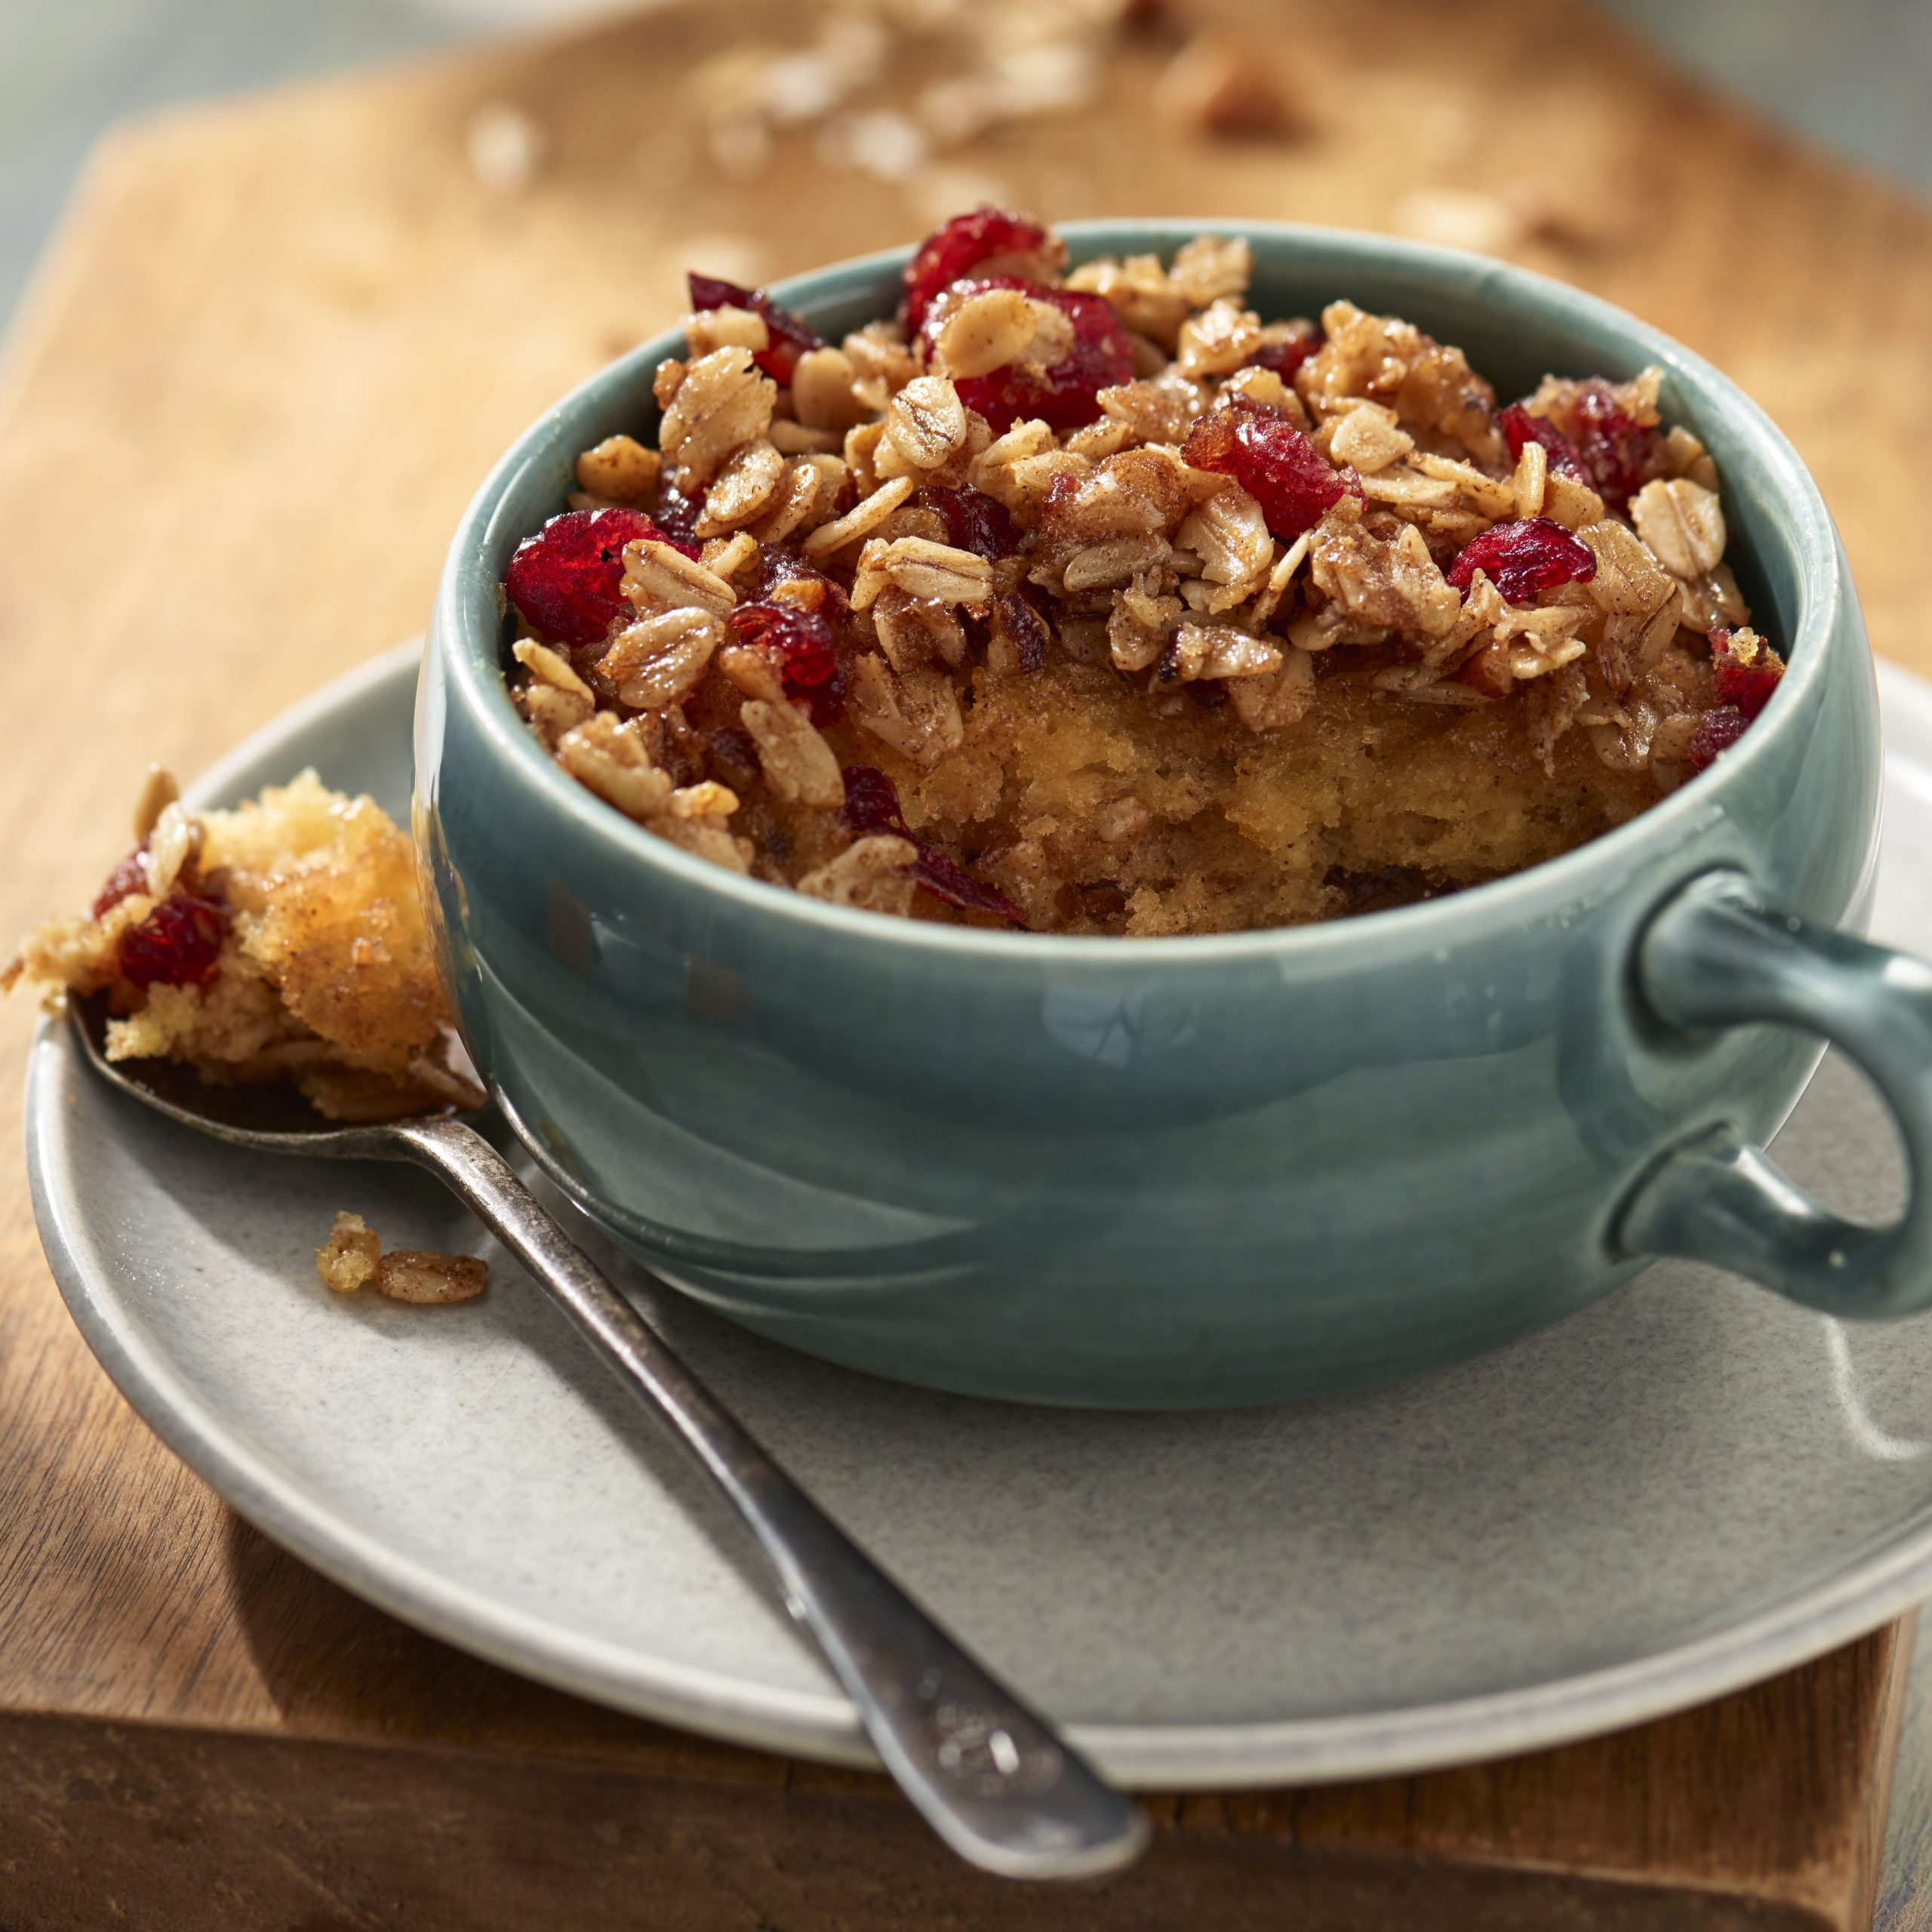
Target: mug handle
x,y
1719,955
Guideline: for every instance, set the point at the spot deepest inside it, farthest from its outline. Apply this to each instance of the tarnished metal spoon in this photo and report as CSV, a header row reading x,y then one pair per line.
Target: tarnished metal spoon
x,y
990,1775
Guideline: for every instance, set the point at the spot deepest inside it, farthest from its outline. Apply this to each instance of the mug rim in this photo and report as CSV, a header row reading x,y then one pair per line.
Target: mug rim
x,y
470,656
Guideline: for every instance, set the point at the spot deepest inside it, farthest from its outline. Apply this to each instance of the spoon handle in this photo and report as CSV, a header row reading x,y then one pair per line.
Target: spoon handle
x,y
989,1776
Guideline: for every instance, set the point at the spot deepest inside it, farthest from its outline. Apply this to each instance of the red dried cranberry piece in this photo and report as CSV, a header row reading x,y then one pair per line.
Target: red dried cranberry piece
x,y
1620,456
777,566
1717,731
958,246
1066,396
677,519
974,520
1524,559
1285,357
824,704
873,811
178,944
871,803
127,878
1747,686
734,755
1520,427
945,878
1023,628
1273,461
1387,888
790,337
807,663
565,578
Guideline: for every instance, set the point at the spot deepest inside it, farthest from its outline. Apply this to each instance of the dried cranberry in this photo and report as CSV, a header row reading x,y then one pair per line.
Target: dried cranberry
x,y
178,944
1385,888
677,517
734,755
1023,630
873,811
802,642
127,878
790,337
1524,559
956,247
1285,357
974,520
1273,461
1066,396
777,566
1520,427
871,803
1717,731
1745,686
1619,455
945,878
565,578
824,704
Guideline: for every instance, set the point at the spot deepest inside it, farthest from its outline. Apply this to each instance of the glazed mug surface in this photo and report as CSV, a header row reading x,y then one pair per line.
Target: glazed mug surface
x,y
1240,1168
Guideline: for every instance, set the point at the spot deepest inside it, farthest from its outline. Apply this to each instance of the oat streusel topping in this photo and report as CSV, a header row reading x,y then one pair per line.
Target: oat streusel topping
x,y
1098,601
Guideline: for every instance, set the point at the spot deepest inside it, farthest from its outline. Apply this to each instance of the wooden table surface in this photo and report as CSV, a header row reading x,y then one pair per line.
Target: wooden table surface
x,y
274,347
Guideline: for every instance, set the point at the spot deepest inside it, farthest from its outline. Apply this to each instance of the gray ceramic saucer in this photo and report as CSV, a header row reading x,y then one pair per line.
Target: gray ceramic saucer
x,y
1689,1486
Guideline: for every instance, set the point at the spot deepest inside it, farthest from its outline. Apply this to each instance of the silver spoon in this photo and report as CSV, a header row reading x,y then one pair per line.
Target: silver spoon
x,y
988,1775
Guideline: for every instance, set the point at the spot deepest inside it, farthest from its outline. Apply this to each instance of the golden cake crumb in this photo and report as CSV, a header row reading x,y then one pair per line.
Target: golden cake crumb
x,y
348,1259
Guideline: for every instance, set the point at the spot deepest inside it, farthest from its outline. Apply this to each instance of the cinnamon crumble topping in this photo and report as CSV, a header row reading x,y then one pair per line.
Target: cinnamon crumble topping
x,y
1098,601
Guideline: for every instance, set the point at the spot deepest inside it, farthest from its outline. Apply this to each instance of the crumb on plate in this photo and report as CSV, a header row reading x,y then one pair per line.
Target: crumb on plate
x,y
352,1258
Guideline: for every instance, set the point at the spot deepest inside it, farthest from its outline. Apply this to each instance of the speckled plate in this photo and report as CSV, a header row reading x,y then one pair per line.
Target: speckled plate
x,y
1690,1486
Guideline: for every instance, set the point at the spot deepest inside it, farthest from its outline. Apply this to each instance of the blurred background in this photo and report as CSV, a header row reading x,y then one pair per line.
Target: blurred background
x,y
1851,73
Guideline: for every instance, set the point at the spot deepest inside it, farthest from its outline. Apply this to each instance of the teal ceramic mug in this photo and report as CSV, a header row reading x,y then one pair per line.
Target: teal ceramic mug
x,y
1161,1172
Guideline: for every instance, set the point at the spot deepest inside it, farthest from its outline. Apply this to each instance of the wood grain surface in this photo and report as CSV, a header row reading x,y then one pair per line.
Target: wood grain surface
x,y
1752,1813
274,349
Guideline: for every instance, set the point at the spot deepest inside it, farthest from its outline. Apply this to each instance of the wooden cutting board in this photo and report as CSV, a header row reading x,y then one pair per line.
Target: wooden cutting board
x,y
273,349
